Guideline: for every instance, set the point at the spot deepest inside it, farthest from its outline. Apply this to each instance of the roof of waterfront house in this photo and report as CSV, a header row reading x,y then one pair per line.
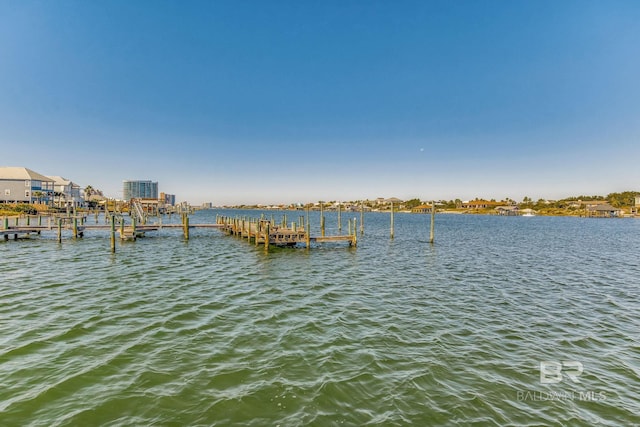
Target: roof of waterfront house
x,y
18,173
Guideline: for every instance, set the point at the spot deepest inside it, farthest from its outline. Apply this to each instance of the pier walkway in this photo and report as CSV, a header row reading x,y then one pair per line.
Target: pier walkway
x,y
259,231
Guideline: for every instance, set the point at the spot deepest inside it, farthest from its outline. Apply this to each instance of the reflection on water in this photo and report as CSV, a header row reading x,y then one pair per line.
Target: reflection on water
x,y
395,332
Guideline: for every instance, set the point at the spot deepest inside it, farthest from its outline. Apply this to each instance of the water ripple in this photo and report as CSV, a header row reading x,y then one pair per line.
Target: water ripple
x,y
216,332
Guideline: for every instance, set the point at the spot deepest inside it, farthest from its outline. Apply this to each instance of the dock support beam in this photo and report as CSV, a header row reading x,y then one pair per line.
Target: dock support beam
x,y
59,230
354,240
186,226
113,234
392,231
266,237
308,236
433,220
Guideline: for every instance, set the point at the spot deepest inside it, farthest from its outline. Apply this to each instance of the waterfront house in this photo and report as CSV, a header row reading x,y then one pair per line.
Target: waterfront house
x,y
603,210
479,204
66,192
507,210
22,185
421,209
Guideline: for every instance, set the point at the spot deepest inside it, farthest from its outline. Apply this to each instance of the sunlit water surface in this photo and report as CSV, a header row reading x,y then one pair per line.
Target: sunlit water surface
x,y
213,331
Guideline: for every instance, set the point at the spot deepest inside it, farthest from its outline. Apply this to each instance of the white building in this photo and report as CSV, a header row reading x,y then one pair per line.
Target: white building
x,y
66,192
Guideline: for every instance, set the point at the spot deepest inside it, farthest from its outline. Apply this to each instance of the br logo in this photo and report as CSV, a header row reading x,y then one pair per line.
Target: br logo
x,y
551,372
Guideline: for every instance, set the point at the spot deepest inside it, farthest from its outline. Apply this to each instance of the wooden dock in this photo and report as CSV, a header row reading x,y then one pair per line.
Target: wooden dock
x,y
256,230
267,232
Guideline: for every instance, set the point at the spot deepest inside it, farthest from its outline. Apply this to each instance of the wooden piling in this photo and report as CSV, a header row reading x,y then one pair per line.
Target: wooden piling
x,y
340,218
75,227
59,230
113,233
354,240
433,220
321,219
308,233
186,227
361,217
266,237
392,231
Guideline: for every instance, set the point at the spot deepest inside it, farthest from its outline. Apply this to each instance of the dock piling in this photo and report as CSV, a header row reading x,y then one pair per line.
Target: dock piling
x,y
433,219
113,234
392,231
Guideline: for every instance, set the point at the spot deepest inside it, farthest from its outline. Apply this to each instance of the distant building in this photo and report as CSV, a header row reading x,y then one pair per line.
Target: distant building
x,y
139,190
422,209
507,210
480,204
604,210
168,199
66,192
22,185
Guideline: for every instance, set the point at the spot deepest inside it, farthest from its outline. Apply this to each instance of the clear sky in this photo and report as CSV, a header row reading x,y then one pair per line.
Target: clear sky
x,y
284,101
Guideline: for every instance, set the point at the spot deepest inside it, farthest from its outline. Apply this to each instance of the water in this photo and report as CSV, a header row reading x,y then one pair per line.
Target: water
x,y
214,331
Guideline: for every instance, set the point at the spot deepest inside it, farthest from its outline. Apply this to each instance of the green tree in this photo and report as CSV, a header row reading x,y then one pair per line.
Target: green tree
x,y
410,204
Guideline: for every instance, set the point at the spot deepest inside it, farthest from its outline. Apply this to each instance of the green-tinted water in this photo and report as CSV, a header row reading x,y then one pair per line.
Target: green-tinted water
x,y
214,331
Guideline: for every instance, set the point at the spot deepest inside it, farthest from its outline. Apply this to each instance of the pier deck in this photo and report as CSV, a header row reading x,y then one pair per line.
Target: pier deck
x,y
260,230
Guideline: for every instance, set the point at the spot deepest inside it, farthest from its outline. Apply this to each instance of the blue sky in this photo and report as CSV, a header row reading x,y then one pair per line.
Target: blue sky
x,y
285,101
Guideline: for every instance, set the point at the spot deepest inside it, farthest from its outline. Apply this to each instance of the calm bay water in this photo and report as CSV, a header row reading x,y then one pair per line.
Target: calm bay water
x,y
214,331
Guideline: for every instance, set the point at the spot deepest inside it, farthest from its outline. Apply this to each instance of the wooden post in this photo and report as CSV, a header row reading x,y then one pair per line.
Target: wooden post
x,y
75,227
113,233
322,219
361,217
28,220
392,220
433,219
340,218
308,231
133,226
6,223
349,230
121,227
39,220
354,240
59,230
266,237
186,227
